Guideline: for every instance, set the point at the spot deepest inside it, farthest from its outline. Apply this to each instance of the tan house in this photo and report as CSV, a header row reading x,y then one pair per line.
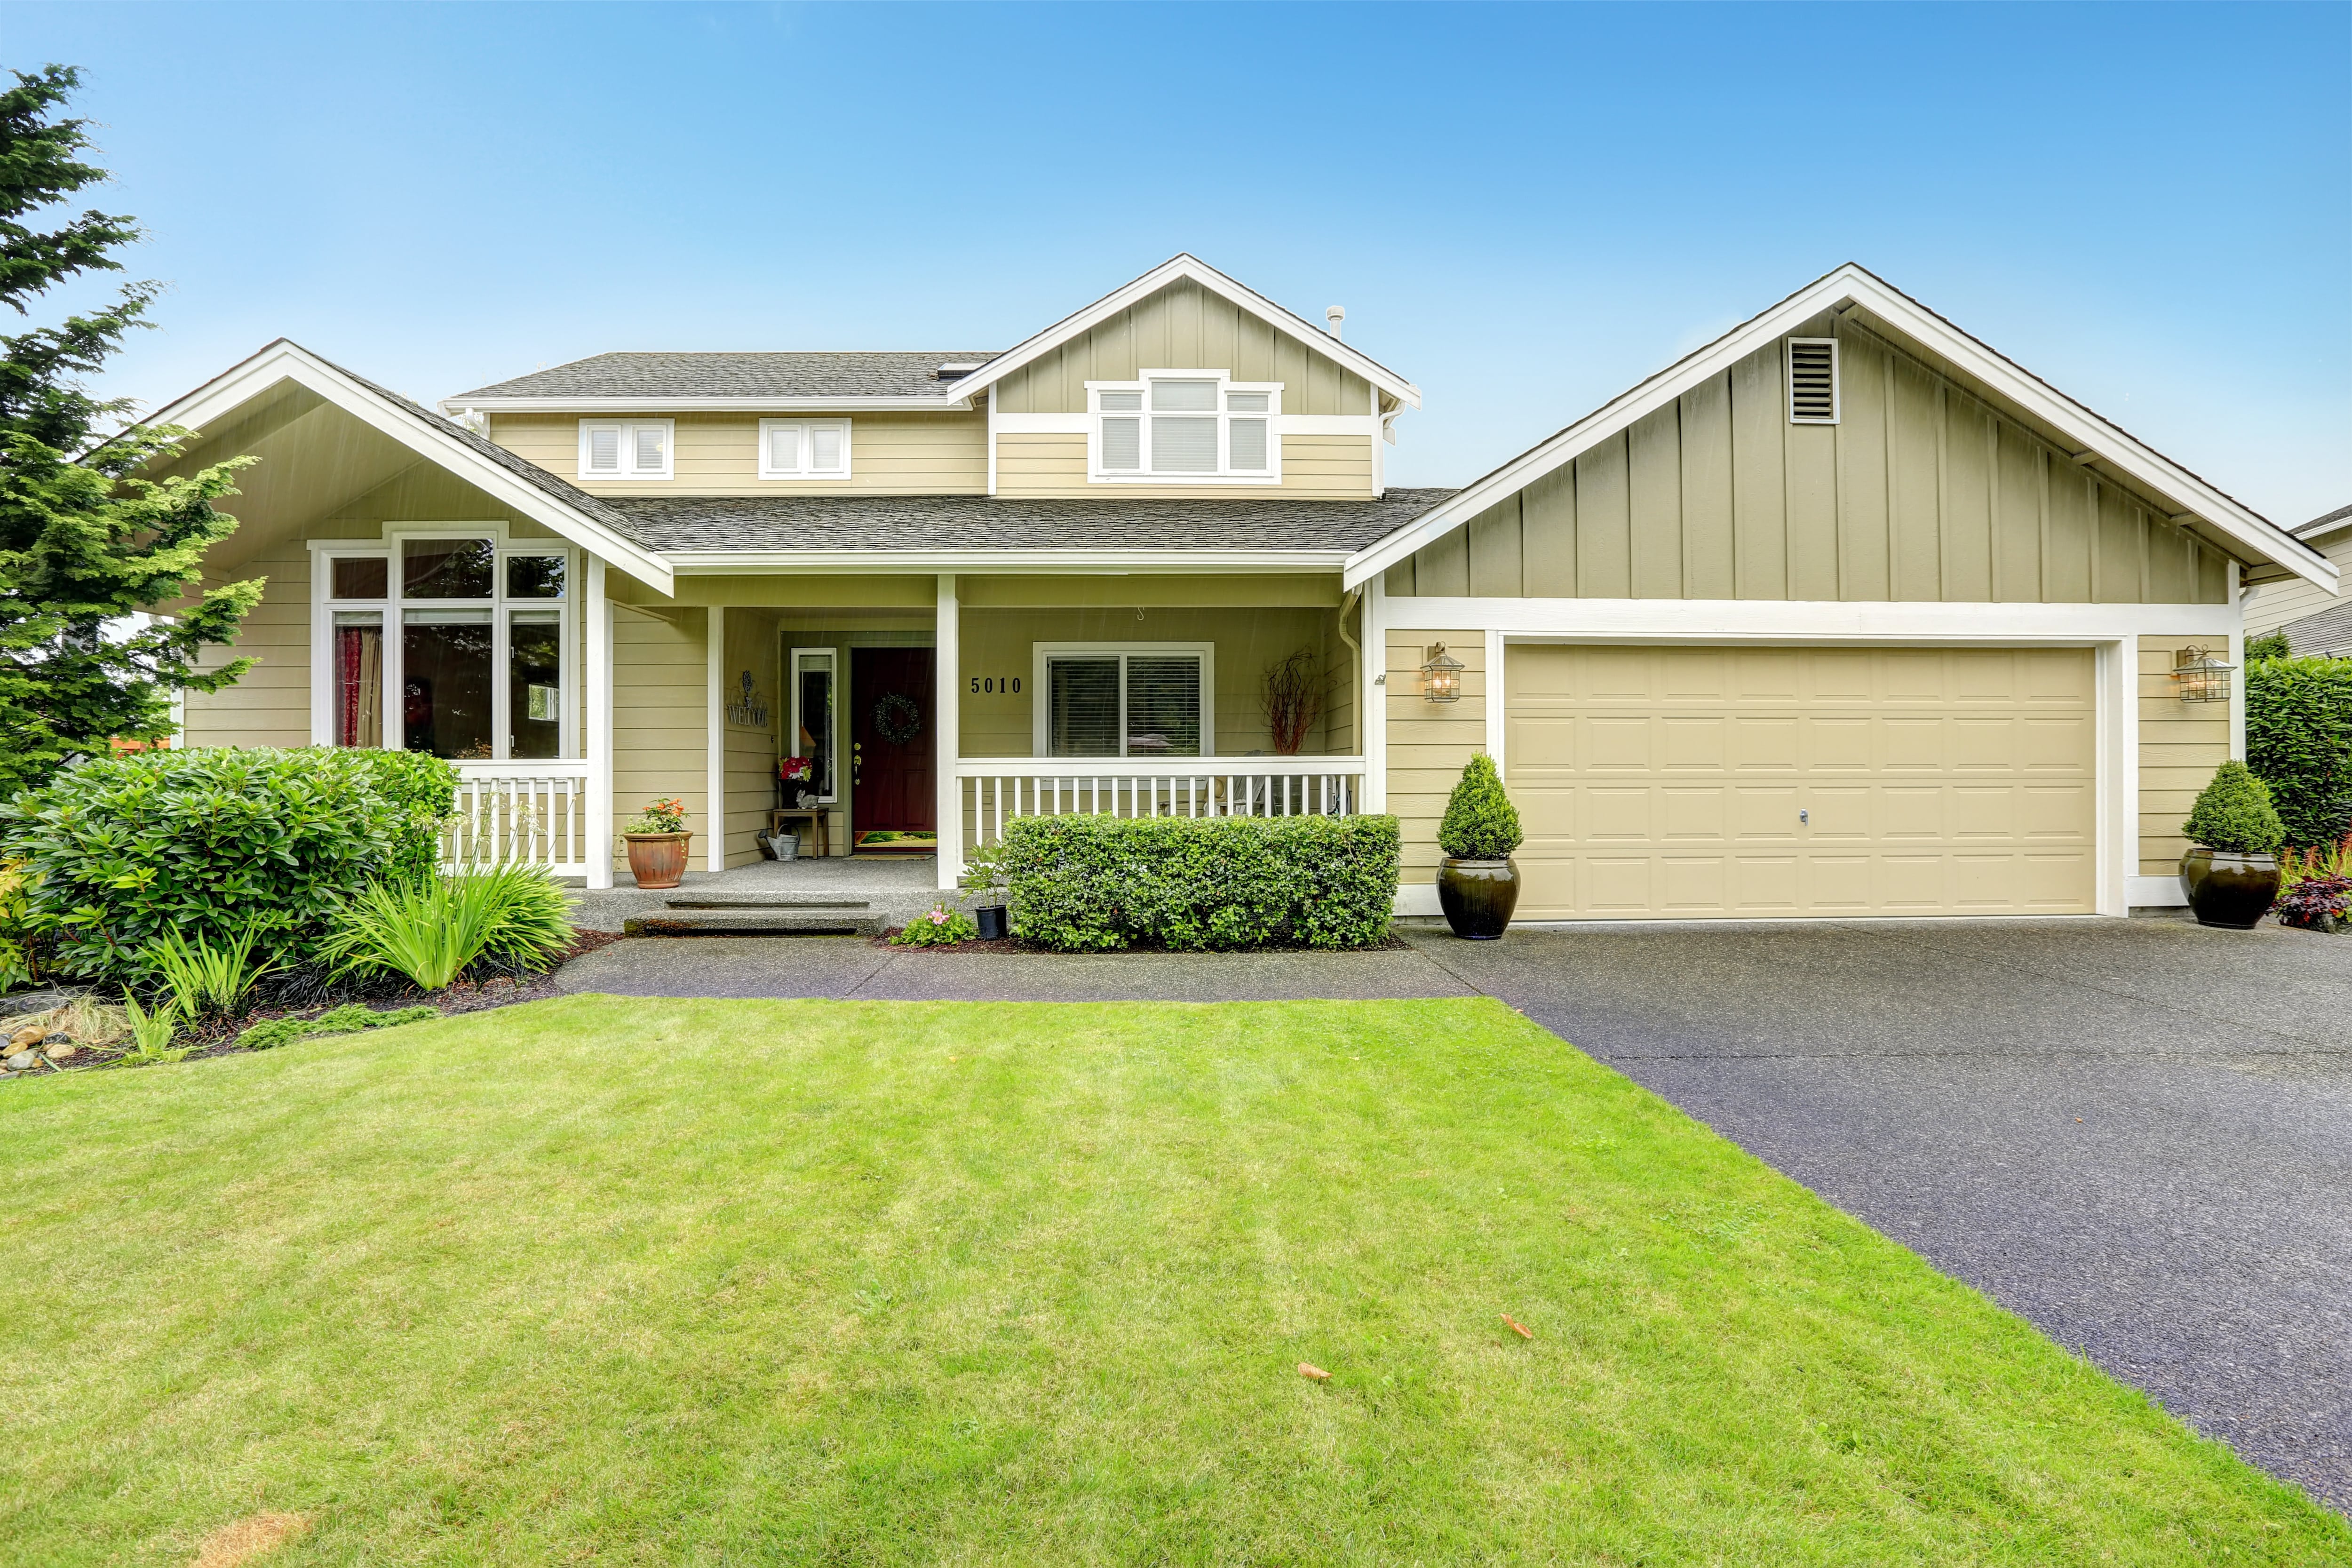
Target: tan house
x,y
2315,621
1844,613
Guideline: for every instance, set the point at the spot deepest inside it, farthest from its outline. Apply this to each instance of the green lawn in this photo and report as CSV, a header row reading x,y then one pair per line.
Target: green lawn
x,y
625,1281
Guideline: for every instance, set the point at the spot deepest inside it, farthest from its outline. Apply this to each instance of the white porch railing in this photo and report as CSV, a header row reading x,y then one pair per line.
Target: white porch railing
x,y
536,812
993,791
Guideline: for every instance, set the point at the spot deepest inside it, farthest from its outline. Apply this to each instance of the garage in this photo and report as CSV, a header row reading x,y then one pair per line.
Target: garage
x,y
1663,781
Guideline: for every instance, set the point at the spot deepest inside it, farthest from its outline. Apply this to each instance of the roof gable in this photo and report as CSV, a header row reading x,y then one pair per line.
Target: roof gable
x,y
2189,500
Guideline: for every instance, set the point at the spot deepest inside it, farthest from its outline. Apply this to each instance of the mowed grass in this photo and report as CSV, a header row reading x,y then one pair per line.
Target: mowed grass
x,y
625,1281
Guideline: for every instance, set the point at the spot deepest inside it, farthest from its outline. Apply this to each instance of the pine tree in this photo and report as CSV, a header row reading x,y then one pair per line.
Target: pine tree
x,y
85,543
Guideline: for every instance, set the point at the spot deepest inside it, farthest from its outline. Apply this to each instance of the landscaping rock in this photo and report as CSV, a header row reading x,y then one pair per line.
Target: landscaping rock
x,y
62,1050
29,1035
23,1061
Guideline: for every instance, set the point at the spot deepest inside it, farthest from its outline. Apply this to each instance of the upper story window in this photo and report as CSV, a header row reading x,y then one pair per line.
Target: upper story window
x,y
1190,426
803,449
627,448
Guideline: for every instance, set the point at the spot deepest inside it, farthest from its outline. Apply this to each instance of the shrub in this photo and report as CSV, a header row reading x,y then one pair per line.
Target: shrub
x,y
2233,814
1081,882
1481,823
2271,645
943,927
2299,742
211,843
515,917
422,789
20,946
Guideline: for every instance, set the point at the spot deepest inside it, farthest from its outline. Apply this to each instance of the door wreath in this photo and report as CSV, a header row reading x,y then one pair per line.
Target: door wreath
x,y
897,719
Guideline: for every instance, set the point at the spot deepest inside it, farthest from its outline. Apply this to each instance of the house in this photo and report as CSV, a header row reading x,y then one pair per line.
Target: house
x,y
1843,614
2312,620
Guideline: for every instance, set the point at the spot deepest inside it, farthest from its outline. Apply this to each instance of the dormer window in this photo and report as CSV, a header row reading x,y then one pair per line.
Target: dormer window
x,y
803,449
1191,427
626,448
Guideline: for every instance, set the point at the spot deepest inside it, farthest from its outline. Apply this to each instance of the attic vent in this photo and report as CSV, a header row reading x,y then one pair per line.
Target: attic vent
x,y
955,371
1812,380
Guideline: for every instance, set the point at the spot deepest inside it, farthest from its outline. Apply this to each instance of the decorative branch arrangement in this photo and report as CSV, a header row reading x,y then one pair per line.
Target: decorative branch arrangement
x,y
1292,697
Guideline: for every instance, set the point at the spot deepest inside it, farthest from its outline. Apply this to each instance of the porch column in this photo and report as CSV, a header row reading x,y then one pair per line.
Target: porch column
x,y
714,778
947,739
599,836
1375,747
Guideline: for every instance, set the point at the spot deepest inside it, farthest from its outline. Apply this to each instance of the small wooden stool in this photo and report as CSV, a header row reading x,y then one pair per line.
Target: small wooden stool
x,y
820,826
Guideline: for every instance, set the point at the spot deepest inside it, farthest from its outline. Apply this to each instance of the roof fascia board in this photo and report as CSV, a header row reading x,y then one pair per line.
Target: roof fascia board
x,y
1178,268
909,404
1852,284
287,361
1108,563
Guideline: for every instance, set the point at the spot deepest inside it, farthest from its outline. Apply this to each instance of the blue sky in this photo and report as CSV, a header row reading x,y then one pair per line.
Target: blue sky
x,y
1524,208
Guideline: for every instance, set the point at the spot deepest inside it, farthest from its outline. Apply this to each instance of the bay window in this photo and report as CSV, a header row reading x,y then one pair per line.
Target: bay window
x,y
1137,700
1186,425
468,633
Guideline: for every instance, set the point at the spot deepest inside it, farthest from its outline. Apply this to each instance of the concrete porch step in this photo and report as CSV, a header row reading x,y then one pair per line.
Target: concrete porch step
x,y
774,920
762,901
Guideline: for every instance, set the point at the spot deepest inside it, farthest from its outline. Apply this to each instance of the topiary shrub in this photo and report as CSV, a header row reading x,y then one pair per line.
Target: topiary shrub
x,y
1077,883
2299,742
211,844
2233,814
1481,823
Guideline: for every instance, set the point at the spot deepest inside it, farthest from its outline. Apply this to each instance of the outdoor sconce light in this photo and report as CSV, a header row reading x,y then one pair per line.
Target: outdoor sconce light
x,y
2199,677
1440,676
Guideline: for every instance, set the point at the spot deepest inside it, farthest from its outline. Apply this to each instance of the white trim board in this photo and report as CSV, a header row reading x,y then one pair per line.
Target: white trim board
x,y
2190,497
2155,892
1176,269
958,403
1804,620
285,360
1031,563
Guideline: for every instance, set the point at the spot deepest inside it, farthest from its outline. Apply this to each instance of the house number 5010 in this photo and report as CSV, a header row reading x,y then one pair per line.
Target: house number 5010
x,y
990,684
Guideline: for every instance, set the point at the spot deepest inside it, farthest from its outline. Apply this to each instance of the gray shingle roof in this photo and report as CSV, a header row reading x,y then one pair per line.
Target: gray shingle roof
x,y
890,523
2327,631
899,375
2323,525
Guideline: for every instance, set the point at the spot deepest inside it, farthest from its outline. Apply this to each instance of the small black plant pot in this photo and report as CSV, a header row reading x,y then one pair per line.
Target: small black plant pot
x,y
1478,897
990,918
2226,890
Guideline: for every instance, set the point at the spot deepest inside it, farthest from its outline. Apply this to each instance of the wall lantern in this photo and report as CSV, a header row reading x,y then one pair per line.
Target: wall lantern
x,y
1440,676
2199,677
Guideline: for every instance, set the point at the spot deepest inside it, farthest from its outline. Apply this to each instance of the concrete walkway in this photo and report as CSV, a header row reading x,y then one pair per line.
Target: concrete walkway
x,y
2136,1133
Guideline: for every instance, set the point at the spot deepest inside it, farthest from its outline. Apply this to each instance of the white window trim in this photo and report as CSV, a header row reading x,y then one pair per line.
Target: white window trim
x,y
767,471
1788,380
1270,475
1040,705
386,548
792,737
629,475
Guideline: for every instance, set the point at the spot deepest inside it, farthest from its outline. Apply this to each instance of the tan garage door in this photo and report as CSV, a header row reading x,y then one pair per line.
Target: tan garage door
x,y
1760,782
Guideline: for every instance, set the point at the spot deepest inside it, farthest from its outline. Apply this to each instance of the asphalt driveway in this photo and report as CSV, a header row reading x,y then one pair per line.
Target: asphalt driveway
x,y
2136,1133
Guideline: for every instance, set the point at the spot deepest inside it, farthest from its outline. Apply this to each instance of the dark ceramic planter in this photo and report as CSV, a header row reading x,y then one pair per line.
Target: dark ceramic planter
x,y
2226,890
990,918
1478,897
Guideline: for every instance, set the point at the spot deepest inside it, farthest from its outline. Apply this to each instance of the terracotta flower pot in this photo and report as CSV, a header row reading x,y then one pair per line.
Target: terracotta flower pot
x,y
2229,889
1478,895
657,860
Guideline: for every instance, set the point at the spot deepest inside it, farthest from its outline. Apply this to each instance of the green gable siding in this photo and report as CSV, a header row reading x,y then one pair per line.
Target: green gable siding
x,y
1922,491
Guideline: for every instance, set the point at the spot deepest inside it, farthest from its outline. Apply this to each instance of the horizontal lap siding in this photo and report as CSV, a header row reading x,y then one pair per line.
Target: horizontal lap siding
x,y
2273,605
660,744
1030,464
270,703
719,454
752,750
1429,743
1920,493
2180,744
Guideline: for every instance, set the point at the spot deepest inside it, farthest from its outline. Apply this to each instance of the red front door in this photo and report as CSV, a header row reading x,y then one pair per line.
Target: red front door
x,y
890,731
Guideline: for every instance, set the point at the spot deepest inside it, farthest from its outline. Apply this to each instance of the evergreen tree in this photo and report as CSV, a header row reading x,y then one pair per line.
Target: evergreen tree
x,y
85,542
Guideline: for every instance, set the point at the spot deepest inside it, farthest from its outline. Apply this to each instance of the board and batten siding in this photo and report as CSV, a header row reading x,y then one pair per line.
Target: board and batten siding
x,y
1922,492
1430,742
719,454
1032,464
2180,744
269,705
660,742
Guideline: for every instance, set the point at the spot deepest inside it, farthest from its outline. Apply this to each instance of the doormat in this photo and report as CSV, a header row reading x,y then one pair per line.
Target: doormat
x,y
897,841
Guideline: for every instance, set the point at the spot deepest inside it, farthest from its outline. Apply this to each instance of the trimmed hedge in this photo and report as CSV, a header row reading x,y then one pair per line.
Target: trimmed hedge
x,y
211,842
1076,883
2299,742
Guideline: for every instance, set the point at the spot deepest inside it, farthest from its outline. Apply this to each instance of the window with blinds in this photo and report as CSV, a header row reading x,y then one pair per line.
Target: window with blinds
x,y
1192,425
1812,380
1118,704
803,449
626,448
